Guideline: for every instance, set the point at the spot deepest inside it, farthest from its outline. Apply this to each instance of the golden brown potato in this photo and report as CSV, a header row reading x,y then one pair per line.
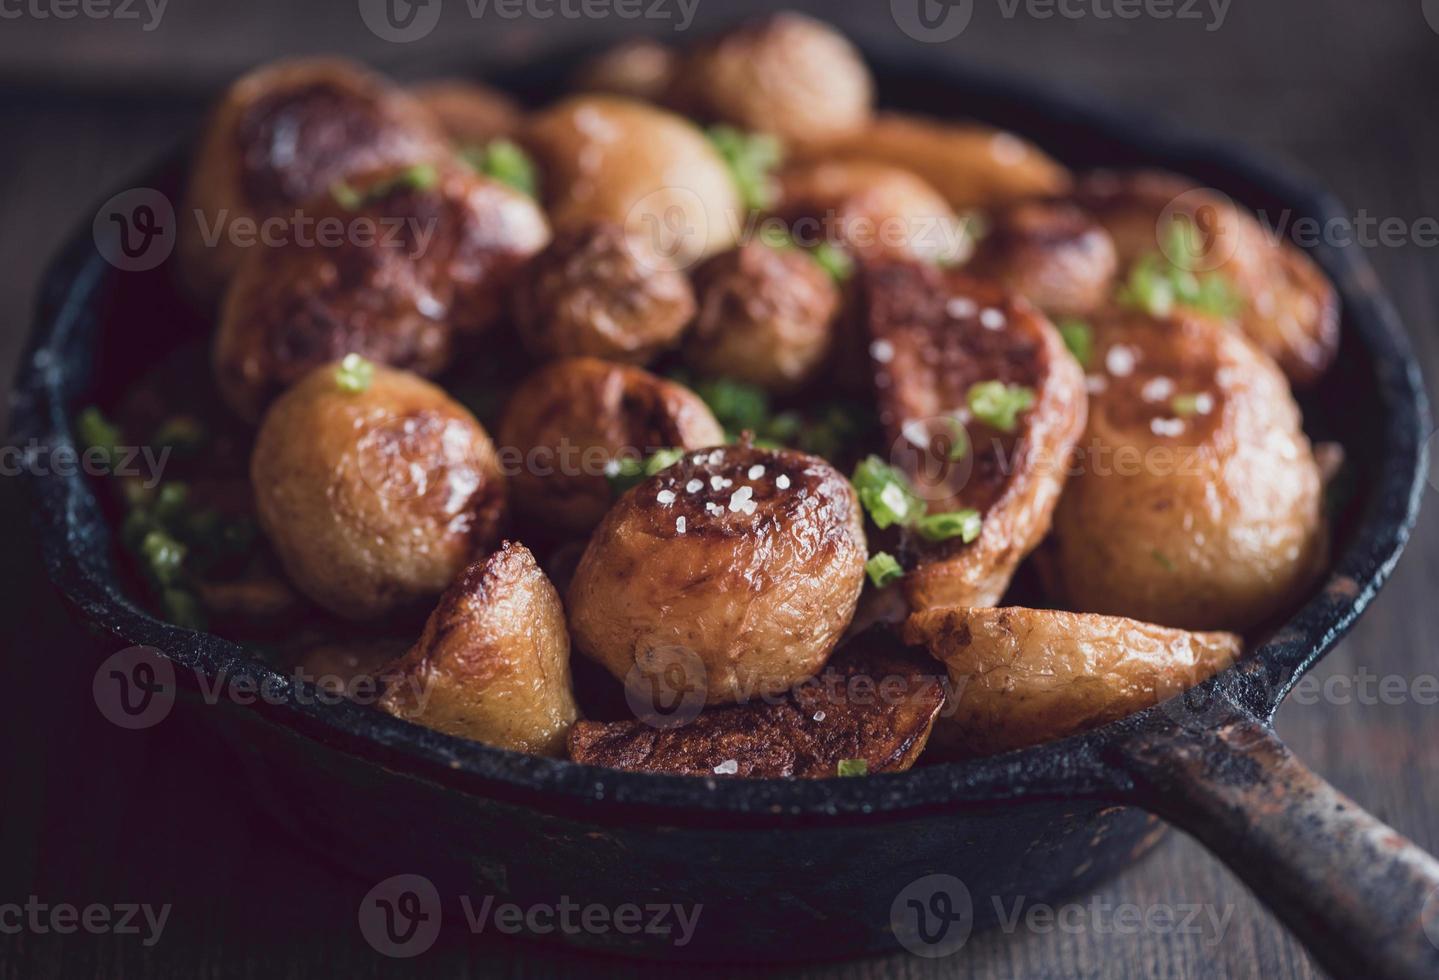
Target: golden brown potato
x,y
872,209
606,158
766,316
1286,305
1051,253
569,420
1023,676
971,165
638,69
785,74
1197,502
493,663
470,114
749,559
591,294
870,703
934,336
279,137
408,268
374,494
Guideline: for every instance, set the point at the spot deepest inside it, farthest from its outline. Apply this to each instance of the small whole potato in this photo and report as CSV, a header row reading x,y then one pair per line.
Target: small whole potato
x,y
745,564
590,294
607,158
1051,253
639,69
470,114
766,316
418,266
493,663
785,74
279,137
374,487
572,418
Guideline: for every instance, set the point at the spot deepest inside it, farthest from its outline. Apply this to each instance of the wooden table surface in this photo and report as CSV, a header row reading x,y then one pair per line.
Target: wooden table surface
x,y
91,813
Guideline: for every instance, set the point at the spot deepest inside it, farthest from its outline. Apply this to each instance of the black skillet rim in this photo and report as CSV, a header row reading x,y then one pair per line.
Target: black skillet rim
x,y
75,544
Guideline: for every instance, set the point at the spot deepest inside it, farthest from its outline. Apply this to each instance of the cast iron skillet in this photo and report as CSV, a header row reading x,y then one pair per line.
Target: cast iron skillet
x,y
805,870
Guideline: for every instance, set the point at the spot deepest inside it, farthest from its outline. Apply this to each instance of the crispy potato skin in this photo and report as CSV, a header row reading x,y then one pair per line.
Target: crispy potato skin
x,y
929,344
766,316
377,498
759,594
574,415
1051,253
785,74
639,69
429,277
1020,677
607,158
470,114
279,137
591,294
1290,309
493,663
970,165
869,703
1200,521
875,210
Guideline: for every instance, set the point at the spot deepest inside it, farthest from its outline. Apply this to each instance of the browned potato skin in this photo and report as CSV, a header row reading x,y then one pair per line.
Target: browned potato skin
x,y
766,316
1020,677
786,74
934,356
639,69
344,120
377,498
411,301
493,663
1229,531
598,409
1291,310
607,158
1051,253
870,702
874,209
760,599
591,294
970,165
470,114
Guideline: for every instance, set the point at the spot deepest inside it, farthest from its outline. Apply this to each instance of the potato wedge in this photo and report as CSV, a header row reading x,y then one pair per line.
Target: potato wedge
x,y
1051,253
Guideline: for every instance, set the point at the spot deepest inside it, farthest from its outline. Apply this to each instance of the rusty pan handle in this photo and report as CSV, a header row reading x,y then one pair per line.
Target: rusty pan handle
x,y
1361,897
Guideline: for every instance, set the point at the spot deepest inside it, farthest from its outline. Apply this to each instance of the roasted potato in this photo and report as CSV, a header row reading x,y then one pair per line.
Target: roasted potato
x,y
1197,501
639,69
870,704
1051,253
571,419
374,488
353,667
1023,676
590,293
752,560
493,663
972,166
785,74
934,336
871,209
280,137
417,266
1285,303
766,316
469,113
606,158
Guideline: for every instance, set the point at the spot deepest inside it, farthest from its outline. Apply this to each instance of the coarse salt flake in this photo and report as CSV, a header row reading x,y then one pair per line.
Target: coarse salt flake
x,y
727,768
755,472
1119,361
991,319
782,482
882,351
694,486
680,524
665,497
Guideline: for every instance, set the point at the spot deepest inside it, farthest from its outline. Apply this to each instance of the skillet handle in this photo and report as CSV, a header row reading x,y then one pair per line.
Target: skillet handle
x,y
1353,890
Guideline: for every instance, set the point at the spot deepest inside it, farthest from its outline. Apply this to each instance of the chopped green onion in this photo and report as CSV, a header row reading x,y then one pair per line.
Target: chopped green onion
x,y
962,524
662,460
504,161
959,445
1079,338
170,501
97,432
1185,405
346,196
750,157
999,404
1158,282
776,236
163,555
628,471
354,373
885,493
834,260
184,433
883,569
420,176
852,767
737,406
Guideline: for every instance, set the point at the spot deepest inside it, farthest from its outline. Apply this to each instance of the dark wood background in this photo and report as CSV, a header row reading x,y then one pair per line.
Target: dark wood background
x,y
89,813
